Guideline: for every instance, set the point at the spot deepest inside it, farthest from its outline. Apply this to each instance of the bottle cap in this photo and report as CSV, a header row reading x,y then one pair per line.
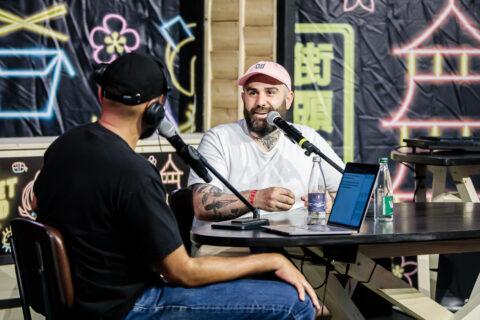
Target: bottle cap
x,y
383,160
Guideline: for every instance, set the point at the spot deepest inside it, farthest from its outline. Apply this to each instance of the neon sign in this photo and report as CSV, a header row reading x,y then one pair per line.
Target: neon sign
x,y
58,60
108,42
413,50
32,23
350,5
164,30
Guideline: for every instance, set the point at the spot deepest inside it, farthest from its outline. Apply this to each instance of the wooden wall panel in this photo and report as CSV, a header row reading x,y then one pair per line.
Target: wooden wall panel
x,y
258,41
225,10
225,36
259,12
225,65
222,115
224,94
239,33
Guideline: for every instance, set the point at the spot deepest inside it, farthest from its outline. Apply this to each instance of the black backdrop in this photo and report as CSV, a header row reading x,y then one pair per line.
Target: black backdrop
x,y
350,82
69,37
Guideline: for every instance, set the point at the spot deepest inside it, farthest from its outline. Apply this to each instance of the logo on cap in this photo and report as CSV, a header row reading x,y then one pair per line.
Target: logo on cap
x,y
259,65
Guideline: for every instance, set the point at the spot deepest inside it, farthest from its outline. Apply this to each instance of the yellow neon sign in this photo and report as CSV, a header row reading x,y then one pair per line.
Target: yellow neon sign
x,y
7,191
31,23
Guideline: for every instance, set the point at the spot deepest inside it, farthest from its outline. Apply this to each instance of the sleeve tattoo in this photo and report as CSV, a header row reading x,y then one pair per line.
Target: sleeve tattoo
x,y
217,205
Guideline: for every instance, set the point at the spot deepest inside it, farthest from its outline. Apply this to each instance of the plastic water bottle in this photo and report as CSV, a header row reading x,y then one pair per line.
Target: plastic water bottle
x,y
316,194
383,204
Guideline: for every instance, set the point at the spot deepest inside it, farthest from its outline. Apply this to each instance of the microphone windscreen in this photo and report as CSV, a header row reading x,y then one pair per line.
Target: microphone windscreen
x,y
272,115
166,129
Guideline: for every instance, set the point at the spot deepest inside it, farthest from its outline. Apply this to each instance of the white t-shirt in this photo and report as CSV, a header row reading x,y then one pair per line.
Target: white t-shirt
x,y
238,158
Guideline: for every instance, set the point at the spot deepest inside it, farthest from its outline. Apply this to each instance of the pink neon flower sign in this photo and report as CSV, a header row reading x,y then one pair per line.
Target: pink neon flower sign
x,y
112,38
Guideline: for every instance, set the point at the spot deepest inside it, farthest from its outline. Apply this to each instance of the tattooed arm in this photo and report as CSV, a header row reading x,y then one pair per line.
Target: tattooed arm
x,y
211,204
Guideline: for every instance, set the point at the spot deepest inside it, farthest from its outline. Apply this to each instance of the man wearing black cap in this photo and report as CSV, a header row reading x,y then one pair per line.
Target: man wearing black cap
x,y
123,243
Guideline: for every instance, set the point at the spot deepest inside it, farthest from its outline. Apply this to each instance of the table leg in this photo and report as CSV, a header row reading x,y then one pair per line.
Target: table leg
x,y
396,291
461,177
471,310
421,173
423,267
337,299
439,178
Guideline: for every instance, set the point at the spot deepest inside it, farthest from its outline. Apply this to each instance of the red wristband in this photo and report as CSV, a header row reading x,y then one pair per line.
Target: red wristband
x,y
251,198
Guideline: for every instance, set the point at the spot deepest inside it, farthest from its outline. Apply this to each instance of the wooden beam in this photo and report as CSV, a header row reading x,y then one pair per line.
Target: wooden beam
x,y
386,250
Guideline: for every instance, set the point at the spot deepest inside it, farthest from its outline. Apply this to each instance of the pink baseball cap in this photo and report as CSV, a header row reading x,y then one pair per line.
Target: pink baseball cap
x,y
269,68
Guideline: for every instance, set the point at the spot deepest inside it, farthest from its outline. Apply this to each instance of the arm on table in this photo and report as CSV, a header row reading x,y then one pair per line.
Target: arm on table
x,y
211,204
180,269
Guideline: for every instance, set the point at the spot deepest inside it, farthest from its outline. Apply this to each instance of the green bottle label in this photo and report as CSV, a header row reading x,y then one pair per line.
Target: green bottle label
x,y
387,206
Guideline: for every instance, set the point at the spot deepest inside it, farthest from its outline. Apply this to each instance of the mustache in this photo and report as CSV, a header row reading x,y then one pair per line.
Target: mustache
x,y
260,108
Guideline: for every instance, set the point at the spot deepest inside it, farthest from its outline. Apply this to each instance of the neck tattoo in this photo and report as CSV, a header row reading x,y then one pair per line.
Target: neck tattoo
x,y
269,141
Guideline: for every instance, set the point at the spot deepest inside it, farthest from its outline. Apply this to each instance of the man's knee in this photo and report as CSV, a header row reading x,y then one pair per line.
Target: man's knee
x,y
303,309
299,309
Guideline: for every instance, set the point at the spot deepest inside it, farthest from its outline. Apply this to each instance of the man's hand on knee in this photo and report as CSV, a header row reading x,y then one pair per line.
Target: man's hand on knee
x,y
288,273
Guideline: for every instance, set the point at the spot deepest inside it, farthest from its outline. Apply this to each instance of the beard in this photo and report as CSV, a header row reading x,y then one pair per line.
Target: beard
x,y
260,126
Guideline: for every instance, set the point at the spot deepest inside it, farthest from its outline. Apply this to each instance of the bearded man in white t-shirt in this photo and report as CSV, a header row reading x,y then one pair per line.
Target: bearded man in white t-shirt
x,y
257,158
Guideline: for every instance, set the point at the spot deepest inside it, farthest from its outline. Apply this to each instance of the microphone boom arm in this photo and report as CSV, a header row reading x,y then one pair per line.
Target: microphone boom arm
x,y
311,148
196,155
242,223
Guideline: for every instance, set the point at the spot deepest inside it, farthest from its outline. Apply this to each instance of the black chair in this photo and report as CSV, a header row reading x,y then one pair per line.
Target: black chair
x,y
181,203
42,269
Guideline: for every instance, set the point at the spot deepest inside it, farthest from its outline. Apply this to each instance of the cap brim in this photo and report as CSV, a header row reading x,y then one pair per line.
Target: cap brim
x,y
241,82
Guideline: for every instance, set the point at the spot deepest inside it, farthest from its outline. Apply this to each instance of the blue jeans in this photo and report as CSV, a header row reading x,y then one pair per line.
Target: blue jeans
x,y
239,299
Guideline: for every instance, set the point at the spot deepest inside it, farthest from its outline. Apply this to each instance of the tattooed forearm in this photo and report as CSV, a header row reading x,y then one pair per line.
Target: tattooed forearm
x,y
211,204
218,204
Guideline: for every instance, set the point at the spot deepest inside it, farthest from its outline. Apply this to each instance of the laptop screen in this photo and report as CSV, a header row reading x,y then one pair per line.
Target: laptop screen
x,y
353,195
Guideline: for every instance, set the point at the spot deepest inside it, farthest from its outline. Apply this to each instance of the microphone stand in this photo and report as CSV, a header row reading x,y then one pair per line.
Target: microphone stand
x,y
311,148
238,224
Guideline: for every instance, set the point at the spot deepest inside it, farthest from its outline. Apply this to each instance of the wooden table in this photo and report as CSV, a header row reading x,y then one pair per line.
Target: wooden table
x,y
418,228
460,166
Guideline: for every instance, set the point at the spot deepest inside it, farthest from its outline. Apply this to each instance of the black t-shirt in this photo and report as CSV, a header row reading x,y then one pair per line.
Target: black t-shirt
x,y
109,204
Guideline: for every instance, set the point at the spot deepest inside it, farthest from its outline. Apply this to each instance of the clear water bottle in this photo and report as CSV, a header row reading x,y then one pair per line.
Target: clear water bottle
x,y
383,204
316,194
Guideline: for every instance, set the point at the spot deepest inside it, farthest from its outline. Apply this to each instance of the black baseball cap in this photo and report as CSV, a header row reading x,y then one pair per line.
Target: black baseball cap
x,y
132,78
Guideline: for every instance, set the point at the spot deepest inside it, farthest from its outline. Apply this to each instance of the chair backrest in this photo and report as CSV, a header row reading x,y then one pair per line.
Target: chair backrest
x,y
181,203
42,267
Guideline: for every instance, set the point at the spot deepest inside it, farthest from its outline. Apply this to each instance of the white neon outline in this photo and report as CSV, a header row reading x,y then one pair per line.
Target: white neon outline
x,y
59,59
163,29
347,8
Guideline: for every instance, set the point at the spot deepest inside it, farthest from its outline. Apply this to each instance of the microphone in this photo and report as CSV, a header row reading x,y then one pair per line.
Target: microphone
x,y
188,153
292,133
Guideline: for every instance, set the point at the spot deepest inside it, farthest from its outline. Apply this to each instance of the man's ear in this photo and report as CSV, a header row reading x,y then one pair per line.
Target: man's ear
x,y
289,99
162,99
100,94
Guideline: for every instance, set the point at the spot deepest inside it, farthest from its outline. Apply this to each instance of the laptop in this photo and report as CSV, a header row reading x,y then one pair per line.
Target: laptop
x,y
349,208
